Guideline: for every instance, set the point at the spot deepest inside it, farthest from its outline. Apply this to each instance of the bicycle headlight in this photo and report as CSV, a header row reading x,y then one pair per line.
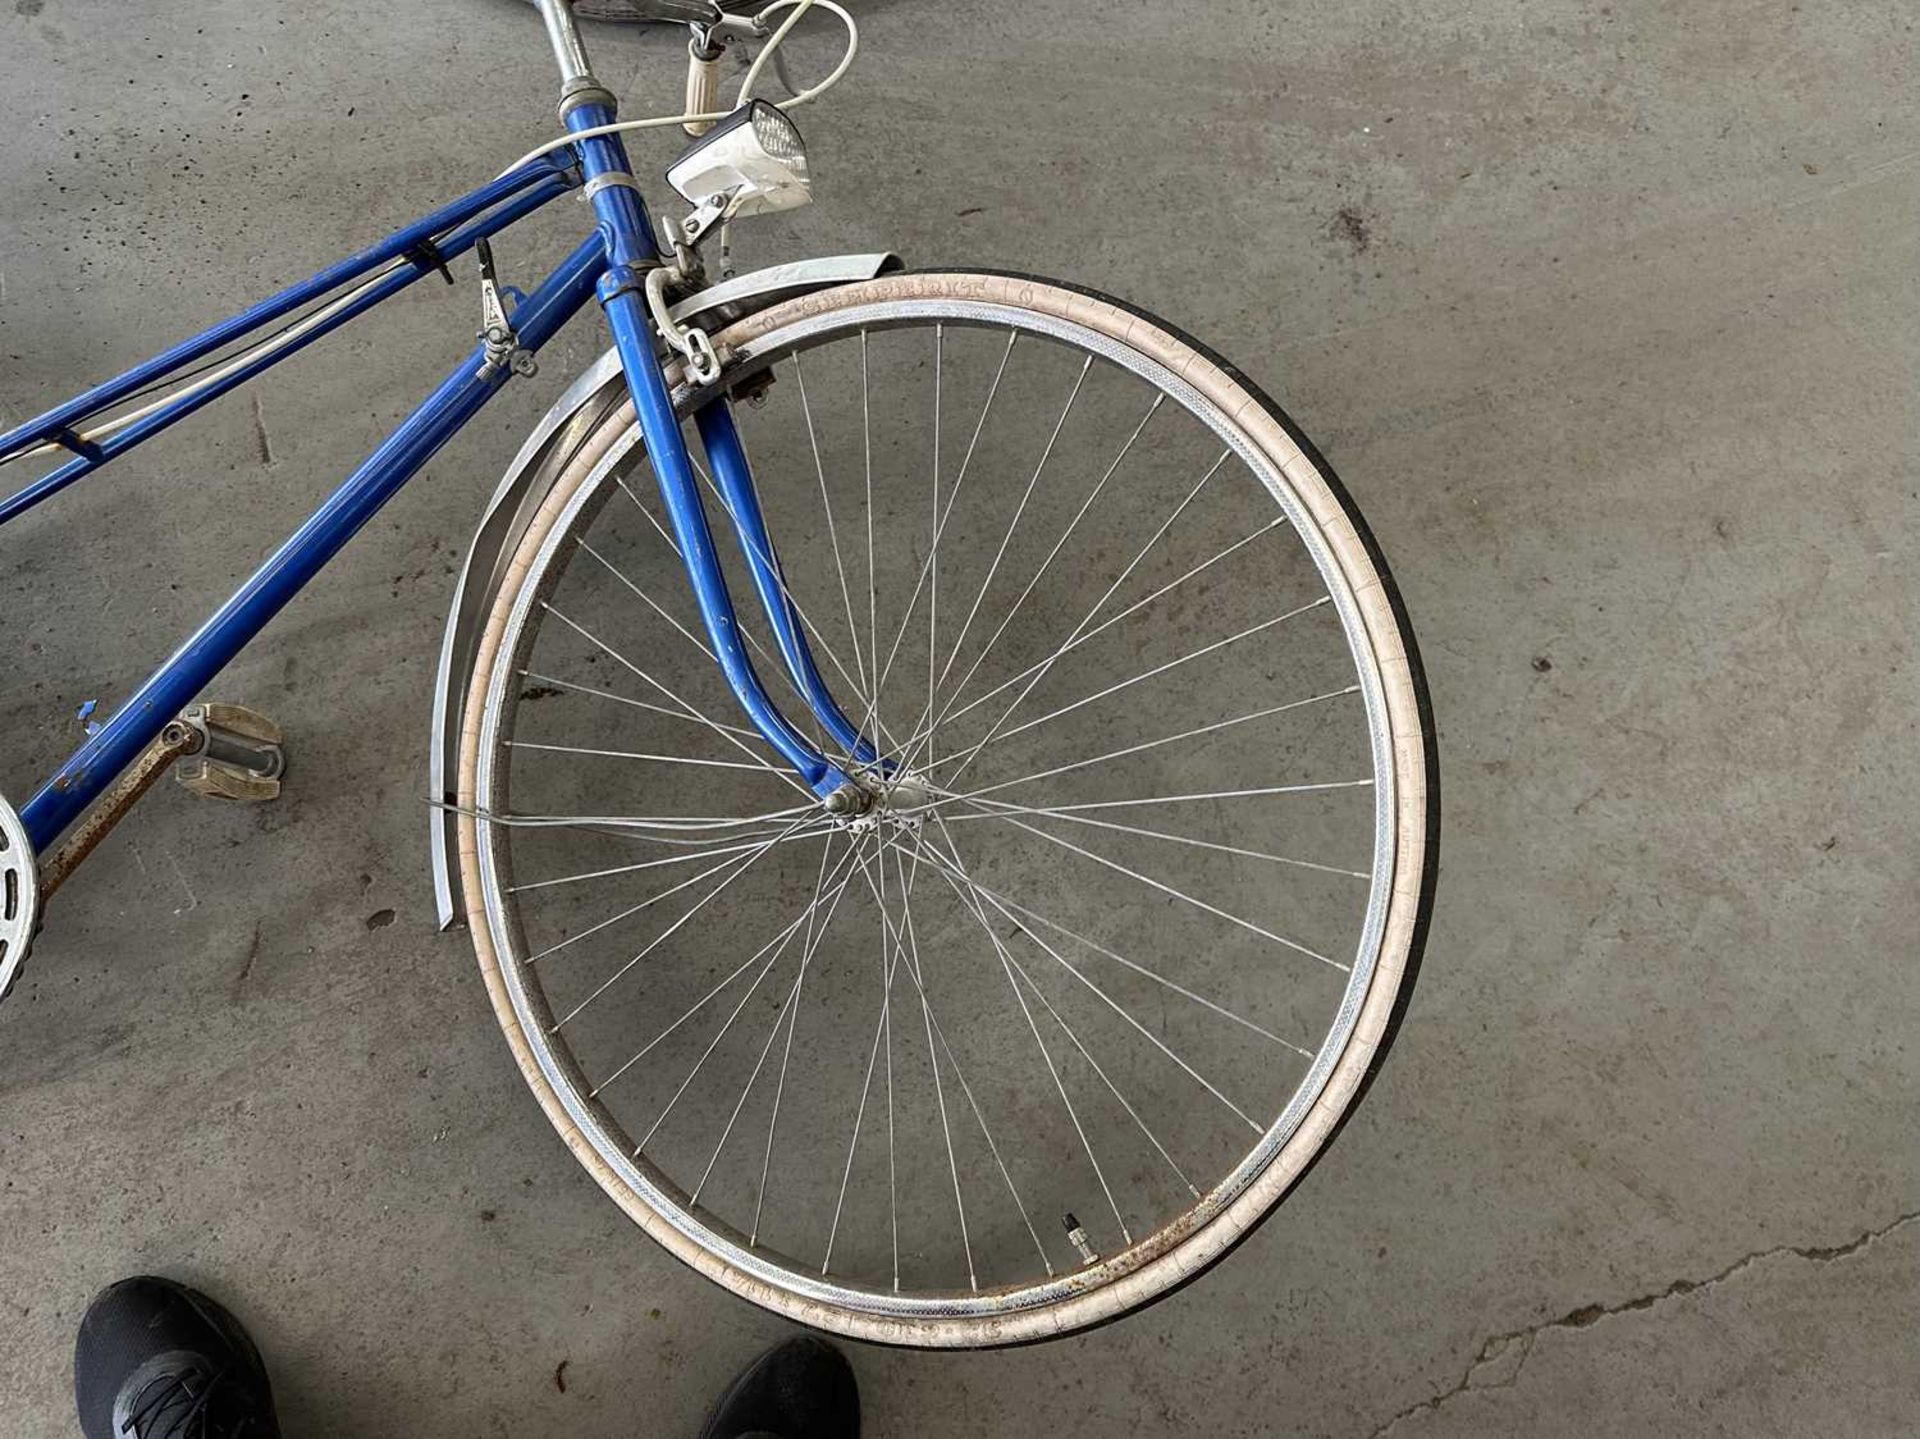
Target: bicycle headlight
x,y
754,161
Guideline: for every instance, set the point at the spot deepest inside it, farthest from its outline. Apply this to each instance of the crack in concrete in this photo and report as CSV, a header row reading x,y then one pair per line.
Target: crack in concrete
x,y
262,450
246,967
1517,1344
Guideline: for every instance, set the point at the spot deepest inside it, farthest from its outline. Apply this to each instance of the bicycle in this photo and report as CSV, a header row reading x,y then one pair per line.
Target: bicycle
x,y
1105,836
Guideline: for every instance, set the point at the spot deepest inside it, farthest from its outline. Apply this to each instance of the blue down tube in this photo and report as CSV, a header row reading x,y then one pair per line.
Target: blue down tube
x,y
174,685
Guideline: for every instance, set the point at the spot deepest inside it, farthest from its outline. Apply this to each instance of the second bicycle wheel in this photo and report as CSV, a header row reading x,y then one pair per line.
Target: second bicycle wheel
x,y
1050,1030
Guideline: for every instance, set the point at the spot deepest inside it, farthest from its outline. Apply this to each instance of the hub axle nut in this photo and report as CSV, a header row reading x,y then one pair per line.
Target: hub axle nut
x,y
848,799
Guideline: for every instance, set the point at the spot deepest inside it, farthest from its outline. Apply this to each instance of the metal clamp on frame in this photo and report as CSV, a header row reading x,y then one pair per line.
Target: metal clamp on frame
x,y
427,257
625,280
75,443
607,181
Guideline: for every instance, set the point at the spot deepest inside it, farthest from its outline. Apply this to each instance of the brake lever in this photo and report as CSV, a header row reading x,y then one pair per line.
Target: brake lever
x,y
714,34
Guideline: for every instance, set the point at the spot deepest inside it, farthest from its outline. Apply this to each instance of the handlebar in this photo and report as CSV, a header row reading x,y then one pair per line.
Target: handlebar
x,y
703,83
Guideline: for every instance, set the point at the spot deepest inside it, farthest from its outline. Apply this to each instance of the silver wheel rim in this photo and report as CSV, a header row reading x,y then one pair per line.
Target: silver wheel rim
x,y
1197,1238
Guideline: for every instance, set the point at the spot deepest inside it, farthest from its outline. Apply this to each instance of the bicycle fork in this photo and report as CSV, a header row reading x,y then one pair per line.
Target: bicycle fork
x,y
627,232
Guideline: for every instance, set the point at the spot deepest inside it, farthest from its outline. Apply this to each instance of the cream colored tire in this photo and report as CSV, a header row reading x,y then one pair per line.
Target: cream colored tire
x,y
1382,974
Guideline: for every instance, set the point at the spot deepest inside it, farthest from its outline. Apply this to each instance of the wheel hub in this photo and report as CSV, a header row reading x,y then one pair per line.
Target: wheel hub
x,y
898,802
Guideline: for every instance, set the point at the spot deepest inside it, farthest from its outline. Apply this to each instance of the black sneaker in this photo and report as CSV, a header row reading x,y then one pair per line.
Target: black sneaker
x,y
157,1360
802,1389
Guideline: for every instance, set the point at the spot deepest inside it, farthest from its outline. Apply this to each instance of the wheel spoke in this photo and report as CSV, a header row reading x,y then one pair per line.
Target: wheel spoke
x,y
631,910
705,999
960,1074
1112,1088
933,549
993,809
633,754
694,713
968,756
1180,894
1075,636
866,1088
622,826
833,532
933,1059
650,601
971,897
843,876
787,1013
870,721
1190,798
1083,637
1006,902
639,825
953,495
749,843
1053,1070
944,862
892,948
1020,510
741,865
558,683
1144,745
793,1020
1052,554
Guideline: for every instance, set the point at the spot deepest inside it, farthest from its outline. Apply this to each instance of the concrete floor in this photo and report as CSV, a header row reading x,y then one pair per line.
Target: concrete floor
x,y
1607,316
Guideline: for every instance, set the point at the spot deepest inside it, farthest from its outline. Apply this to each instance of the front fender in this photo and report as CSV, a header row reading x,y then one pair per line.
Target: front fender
x,y
597,392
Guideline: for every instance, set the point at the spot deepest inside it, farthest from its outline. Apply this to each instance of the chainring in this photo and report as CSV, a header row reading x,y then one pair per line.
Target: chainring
x,y
19,896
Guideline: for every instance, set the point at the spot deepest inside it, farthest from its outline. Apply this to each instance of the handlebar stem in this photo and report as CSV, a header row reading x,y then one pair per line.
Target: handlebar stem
x,y
577,85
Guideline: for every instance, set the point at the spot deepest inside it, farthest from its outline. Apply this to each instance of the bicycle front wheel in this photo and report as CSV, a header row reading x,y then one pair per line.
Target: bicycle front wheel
x,y
1050,1030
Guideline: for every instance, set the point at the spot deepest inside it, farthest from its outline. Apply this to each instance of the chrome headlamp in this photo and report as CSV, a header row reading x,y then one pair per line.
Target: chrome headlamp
x,y
751,163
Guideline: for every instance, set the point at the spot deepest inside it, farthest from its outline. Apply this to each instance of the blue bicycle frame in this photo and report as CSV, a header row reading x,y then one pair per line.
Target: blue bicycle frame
x,y
611,266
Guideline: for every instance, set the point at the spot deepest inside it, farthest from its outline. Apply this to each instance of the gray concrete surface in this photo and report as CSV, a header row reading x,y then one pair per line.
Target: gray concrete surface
x,y
1607,316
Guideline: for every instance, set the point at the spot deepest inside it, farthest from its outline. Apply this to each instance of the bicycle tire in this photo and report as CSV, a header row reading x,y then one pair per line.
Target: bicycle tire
x,y
1415,816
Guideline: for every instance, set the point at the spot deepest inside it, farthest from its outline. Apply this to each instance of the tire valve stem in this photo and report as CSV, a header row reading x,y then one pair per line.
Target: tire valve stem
x,y
1078,1238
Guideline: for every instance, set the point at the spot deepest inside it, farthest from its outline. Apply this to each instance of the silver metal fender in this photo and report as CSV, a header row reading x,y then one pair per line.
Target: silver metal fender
x,y
598,391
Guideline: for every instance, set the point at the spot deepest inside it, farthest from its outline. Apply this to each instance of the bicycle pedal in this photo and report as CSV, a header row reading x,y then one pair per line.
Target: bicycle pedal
x,y
240,757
